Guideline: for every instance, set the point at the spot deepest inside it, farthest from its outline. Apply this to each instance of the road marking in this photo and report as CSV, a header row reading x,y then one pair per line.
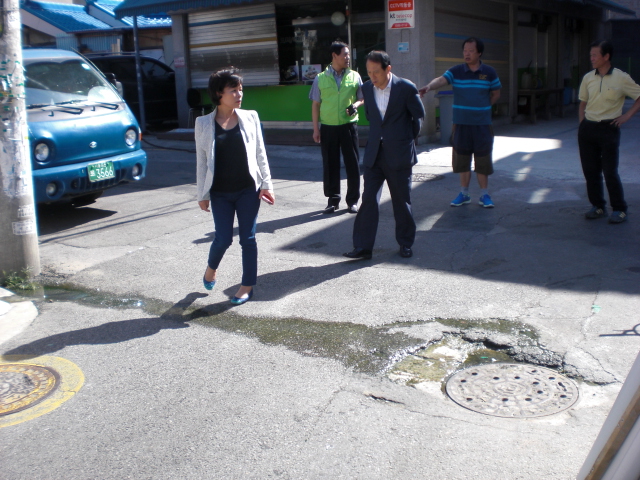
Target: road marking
x,y
71,381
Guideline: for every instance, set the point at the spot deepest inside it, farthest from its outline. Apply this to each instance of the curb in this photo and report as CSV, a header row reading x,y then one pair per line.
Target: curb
x,y
15,317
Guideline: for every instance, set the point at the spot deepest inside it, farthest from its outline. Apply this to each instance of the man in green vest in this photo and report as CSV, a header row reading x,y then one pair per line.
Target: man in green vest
x,y
336,95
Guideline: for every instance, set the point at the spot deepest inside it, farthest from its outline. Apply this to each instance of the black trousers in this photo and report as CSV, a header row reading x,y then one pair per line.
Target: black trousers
x,y
333,140
599,143
399,183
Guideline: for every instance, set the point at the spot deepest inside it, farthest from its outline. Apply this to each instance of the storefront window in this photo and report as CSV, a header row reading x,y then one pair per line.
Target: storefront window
x,y
306,31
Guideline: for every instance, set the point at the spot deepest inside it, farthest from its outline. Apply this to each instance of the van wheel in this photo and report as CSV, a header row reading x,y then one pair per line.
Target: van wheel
x,y
85,200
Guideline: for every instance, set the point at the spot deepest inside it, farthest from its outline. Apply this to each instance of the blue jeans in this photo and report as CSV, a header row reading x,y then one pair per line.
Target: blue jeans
x,y
225,206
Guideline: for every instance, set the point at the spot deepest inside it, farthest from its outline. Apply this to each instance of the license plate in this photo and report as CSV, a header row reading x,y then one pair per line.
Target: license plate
x,y
101,171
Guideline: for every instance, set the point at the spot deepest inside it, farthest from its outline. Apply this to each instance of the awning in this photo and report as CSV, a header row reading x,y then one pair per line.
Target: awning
x,y
609,5
166,7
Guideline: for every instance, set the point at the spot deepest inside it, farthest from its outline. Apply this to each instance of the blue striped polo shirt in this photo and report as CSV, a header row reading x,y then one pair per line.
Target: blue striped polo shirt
x,y
471,93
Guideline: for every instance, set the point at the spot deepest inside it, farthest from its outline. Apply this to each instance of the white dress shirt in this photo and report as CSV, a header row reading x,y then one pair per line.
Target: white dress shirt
x,y
382,97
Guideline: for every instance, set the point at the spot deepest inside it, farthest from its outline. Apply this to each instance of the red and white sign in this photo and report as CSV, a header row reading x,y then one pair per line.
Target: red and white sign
x,y
401,14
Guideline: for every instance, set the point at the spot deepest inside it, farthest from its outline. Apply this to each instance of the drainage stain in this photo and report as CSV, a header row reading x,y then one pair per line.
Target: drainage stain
x,y
365,349
406,358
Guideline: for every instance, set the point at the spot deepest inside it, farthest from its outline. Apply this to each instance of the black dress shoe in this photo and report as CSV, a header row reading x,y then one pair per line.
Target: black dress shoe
x,y
352,209
330,209
405,252
358,253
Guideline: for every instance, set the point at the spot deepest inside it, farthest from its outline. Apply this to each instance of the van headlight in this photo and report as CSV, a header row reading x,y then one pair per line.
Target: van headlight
x,y
41,152
131,136
51,189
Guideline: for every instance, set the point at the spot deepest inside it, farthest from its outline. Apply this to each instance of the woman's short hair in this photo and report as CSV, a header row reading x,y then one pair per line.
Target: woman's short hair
x,y
218,81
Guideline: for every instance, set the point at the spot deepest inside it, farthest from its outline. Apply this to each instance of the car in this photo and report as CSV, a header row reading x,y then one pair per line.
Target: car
x,y
158,84
83,137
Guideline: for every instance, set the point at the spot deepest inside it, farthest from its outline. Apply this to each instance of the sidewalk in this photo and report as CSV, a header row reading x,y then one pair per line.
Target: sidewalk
x,y
15,315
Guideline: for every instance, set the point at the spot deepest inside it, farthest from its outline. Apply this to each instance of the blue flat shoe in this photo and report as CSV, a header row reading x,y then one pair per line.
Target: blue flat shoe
x,y
208,285
239,301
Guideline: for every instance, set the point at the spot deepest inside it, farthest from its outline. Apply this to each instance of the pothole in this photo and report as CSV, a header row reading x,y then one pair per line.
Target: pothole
x,y
512,390
439,360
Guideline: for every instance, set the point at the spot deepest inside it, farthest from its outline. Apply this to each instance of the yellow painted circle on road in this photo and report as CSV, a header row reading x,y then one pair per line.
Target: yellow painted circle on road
x,y
23,385
70,381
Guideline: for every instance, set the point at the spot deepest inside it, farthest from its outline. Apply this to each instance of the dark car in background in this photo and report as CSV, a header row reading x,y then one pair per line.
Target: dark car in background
x,y
83,137
158,83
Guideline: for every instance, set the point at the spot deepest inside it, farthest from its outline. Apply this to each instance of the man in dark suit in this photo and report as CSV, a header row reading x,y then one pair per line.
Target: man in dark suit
x,y
395,114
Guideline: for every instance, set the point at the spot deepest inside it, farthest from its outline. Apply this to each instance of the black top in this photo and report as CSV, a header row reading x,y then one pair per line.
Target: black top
x,y
231,172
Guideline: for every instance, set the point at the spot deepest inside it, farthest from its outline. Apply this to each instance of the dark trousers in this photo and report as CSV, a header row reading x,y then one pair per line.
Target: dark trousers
x,y
598,143
399,183
333,139
225,206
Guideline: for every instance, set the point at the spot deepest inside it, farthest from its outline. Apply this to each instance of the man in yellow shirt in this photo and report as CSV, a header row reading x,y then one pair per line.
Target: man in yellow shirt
x,y
602,94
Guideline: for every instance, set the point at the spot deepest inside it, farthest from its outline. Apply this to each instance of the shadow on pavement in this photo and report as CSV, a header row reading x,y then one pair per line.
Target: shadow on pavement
x,y
58,217
271,226
111,332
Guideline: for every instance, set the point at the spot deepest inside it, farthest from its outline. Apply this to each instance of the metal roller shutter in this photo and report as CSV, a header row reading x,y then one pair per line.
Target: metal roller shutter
x,y
243,37
457,20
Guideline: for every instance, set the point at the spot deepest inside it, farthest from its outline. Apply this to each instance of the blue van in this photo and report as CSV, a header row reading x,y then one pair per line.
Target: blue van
x,y
83,137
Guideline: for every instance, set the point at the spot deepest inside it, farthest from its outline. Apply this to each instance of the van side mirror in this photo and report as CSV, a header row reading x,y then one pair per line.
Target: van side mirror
x,y
111,77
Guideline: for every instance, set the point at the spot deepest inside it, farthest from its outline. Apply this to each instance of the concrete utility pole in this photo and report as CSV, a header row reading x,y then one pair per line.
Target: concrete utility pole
x,y
18,230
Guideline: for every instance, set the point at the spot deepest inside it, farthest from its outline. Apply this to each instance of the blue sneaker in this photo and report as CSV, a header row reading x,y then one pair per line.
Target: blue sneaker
x,y
460,200
485,201
618,217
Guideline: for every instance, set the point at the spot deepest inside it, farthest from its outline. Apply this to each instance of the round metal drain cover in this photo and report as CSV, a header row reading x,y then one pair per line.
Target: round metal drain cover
x,y
512,390
23,385
425,177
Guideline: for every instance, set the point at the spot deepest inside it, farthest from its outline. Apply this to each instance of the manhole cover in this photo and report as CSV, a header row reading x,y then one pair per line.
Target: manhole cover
x,y
23,385
425,177
512,390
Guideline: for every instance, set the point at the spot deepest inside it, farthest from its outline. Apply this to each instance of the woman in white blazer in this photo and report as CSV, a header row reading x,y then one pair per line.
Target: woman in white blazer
x,y
233,175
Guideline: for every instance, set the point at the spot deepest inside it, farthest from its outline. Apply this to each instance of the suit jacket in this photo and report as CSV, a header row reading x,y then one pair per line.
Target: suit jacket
x,y
253,142
399,128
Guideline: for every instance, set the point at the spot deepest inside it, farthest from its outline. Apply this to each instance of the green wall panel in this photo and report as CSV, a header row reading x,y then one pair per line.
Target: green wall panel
x,y
281,103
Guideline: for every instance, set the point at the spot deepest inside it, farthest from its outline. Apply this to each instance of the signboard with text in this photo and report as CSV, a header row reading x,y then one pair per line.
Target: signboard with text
x,y
401,14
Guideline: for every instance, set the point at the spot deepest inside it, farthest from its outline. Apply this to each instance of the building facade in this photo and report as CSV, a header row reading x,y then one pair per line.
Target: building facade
x,y
281,44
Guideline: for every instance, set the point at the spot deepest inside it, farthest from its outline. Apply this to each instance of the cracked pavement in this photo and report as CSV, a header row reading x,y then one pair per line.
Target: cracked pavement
x,y
170,396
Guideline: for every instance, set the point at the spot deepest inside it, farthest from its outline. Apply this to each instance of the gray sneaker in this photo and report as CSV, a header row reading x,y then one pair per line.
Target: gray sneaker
x,y
595,212
618,217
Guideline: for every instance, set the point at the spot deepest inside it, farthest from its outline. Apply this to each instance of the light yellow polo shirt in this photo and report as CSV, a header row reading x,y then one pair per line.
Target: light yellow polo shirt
x,y
605,94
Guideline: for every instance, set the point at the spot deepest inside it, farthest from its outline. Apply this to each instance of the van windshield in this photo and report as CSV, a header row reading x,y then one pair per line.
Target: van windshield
x,y
71,81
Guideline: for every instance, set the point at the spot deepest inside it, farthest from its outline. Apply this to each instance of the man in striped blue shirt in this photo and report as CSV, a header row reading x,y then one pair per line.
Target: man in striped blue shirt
x,y
476,88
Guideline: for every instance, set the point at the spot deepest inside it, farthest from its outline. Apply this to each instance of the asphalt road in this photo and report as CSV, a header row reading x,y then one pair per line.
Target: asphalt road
x,y
179,384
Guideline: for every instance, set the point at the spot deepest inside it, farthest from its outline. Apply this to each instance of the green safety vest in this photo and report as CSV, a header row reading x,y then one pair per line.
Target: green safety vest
x,y
335,102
